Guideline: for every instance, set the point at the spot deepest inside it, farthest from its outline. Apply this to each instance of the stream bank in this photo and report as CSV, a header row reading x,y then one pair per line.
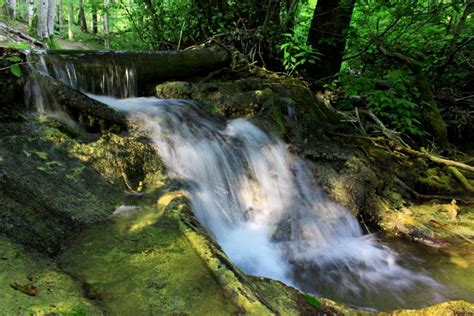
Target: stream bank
x,y
114,168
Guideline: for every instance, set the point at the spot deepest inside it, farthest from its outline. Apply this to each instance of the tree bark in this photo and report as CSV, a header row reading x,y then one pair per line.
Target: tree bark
x,y
70,20
152,67
30,9
60,14
327,35
106,24
82,17
11,8
51,16
42,27
94,20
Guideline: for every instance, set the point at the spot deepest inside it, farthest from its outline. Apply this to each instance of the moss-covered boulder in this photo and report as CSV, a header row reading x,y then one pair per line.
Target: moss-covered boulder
x,y
46,195
278,103
31,284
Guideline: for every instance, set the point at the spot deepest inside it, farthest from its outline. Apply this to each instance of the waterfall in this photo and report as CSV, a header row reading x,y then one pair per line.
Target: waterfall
x,y
259,201
261,204
111,79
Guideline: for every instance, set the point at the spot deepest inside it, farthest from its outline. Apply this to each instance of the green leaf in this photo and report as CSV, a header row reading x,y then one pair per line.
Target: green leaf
x,y
15,70
14,59
41,155
313,301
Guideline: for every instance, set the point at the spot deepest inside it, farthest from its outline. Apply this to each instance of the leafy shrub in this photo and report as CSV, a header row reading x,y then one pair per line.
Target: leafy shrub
x,y
391,98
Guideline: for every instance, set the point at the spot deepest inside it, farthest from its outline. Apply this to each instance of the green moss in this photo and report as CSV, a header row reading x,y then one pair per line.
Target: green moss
x,y
143,264
277,118
446,308
57,293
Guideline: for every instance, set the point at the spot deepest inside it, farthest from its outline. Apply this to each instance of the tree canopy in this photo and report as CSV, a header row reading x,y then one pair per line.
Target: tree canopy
x,y
408,62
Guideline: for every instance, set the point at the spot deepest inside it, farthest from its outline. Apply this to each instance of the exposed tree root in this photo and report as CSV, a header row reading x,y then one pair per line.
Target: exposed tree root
x,y
436,159
460,177
428,197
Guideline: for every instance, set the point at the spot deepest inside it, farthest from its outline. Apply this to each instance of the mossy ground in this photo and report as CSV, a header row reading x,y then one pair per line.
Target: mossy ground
x,y
57,293
141,264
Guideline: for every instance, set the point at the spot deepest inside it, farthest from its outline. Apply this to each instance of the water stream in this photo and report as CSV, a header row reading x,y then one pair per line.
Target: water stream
x,y
261,204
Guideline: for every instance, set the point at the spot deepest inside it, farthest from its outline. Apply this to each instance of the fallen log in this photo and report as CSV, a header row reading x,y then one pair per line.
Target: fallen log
x,y
151,66
77,103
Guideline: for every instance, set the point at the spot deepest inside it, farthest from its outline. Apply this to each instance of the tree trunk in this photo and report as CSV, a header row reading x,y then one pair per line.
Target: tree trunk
x,y
151,67
94,20
327,35
70,20
82,17
42,27
106,24
432,119
30,9
51,16
60,14
11,8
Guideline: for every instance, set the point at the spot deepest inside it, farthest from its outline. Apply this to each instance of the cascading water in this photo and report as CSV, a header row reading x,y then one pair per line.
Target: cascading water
x,y
112,79
259,201
261,205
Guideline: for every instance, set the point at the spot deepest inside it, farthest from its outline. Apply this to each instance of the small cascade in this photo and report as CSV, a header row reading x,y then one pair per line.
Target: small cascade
x,y
261,204
111,78
259,201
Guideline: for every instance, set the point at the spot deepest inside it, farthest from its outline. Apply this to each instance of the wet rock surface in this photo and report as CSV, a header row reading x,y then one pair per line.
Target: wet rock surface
x,y
60,187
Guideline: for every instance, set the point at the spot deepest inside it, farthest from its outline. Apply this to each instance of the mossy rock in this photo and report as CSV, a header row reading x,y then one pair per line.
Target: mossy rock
x,y
55,292
451,308
46,195
286,108
127,161
142,263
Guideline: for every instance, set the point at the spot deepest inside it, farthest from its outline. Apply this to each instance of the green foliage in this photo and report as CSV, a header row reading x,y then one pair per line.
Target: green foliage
x,y
421,30
296,53
313,301
389,97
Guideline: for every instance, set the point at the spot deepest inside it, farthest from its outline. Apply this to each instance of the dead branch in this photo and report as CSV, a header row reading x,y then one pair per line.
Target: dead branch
x,y
436,159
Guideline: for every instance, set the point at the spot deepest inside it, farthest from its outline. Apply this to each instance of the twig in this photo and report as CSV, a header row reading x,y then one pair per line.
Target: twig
x,y
16,64
181,35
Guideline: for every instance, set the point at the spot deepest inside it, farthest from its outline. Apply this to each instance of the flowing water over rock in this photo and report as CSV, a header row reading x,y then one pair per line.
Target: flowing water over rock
x,y
258,200
112,79
261,204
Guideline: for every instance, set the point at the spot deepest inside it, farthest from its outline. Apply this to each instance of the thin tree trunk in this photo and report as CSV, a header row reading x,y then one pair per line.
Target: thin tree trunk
x,y
51,16
30,8
82,17
106,24
42,27
60,14
11,5
94,20
70,22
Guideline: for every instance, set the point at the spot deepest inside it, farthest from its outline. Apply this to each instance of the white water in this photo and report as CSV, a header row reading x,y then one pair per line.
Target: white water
x,y
109,79
261,204
258,200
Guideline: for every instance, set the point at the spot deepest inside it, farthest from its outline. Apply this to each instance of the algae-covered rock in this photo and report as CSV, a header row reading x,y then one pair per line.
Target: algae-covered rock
x,y
50,290
46,196
126,161
451,308
142,263
278,104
